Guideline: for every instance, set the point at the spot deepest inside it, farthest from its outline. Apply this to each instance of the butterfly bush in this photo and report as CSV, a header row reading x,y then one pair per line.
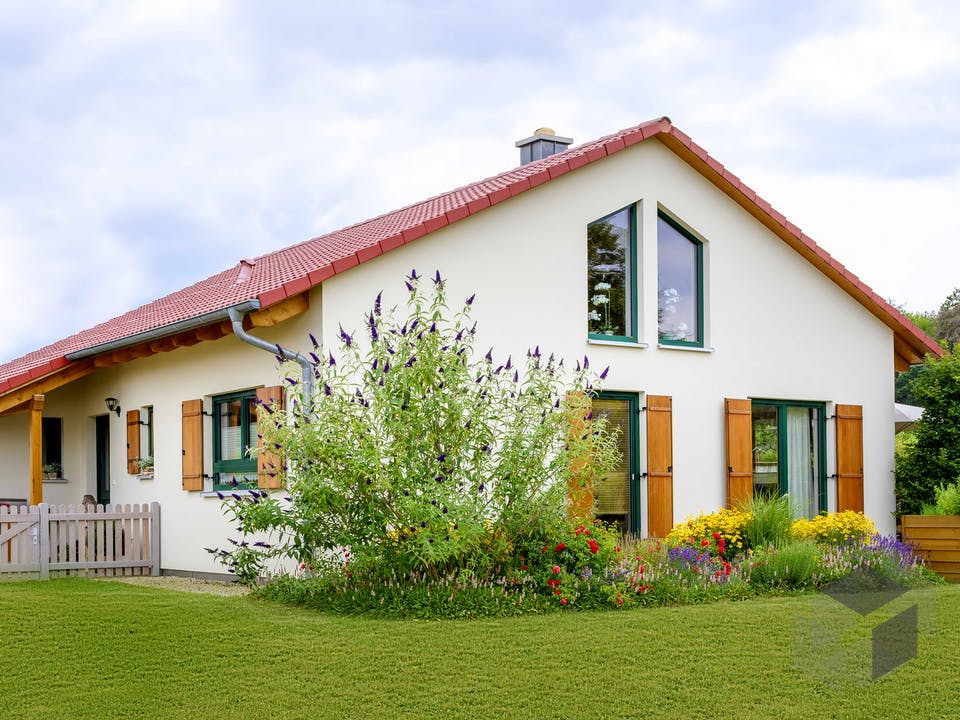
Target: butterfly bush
x,y
420,452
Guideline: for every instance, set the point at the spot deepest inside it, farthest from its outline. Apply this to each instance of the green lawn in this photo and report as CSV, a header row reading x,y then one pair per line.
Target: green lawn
x,y
89,649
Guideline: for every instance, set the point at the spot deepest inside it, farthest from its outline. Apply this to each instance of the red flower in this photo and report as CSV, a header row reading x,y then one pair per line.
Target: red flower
x,y
704,542
557,591
523,567
619,599
561,547
543,549
556,569
641,569
563,601
594,547
587,532
716,536
617,548
721,546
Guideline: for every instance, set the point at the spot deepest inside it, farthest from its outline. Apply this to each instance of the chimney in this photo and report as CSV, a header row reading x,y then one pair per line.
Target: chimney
x,y
541,144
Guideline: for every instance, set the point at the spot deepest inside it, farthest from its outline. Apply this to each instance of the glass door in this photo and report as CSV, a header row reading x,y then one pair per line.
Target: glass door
x,y
616,495
788,439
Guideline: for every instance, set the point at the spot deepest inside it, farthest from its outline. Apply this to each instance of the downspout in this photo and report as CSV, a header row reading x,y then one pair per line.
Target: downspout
x,y
236,320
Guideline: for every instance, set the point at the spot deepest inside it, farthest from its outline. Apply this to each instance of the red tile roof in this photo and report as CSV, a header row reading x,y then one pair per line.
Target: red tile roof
x,y
278,275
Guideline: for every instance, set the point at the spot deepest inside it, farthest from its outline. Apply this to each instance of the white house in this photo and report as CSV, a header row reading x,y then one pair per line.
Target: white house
x,y
742,355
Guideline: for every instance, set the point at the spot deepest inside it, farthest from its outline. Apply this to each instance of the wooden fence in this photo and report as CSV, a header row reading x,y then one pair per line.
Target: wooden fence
x,y
937,539
60,540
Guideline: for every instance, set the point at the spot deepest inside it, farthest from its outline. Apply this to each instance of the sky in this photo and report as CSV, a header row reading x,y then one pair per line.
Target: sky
x,y
147,145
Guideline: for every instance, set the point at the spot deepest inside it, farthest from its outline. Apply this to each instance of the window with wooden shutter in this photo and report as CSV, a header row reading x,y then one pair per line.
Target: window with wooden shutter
x,y
133,441
269,463
849,458
659,465
192,426
739,430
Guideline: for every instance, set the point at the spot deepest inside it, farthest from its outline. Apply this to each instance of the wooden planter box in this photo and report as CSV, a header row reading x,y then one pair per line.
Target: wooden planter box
x,y
937,539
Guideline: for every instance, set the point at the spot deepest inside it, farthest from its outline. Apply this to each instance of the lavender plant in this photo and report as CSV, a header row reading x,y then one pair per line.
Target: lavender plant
x,y
418,453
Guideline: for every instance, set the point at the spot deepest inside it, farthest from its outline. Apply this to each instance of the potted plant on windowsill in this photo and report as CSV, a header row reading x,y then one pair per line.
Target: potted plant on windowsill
x,y
52,471
146,465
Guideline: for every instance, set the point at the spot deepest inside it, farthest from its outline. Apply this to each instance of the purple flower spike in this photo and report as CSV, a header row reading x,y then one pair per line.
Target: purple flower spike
x,y
326,390
413,274
347,340
332,360
470,299
316,360
441,457
586,362
409,286
291,381
436,278
603,375
489,356
376,304
313,340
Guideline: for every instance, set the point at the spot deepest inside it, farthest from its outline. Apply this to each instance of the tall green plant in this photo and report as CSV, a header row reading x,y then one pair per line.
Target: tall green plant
x,y
420,454
934,458
770,519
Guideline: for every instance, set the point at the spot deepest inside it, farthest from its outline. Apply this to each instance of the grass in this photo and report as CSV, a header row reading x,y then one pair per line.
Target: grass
x,y
93,649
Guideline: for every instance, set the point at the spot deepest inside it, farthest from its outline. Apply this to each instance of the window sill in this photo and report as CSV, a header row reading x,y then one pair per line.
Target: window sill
x,y
617,343
685,348
226,493
145,476
55,481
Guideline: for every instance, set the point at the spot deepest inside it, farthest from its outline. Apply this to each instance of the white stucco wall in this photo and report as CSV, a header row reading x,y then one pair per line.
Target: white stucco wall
x,y
775,328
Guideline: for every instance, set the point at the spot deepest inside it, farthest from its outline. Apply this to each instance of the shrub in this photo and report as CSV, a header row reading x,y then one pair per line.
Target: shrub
x,y
792,565
946,501
418,454
721,532
886,556
835,527
769,520
934,457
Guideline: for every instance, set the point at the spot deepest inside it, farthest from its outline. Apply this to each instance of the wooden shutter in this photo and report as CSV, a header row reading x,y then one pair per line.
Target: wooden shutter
x,y
739,427
269,464
849,458
133,441
579,486
659,465
192,422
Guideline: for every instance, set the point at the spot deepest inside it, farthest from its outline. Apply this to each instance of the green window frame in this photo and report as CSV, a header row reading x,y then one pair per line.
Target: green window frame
x,y
612,310
783,447
630,438
669,300
241,408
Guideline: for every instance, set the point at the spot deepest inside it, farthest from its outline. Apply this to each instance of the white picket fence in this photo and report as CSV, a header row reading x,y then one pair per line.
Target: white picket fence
x,y
58,540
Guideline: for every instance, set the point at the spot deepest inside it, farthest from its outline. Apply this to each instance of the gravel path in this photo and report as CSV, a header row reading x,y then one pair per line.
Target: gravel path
x,y
182,584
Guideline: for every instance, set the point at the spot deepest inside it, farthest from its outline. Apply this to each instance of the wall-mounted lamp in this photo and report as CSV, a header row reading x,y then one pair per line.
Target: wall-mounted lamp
x,y
113,405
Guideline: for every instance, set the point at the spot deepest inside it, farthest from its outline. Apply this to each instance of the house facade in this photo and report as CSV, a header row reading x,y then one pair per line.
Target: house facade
x,y
742,357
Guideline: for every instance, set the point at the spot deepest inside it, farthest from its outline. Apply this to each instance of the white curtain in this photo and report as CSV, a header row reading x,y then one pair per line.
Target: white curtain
x,y
801,468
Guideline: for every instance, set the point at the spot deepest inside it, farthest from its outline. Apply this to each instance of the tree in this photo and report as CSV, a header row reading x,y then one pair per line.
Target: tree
x,y
419,455
934,459
948,319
